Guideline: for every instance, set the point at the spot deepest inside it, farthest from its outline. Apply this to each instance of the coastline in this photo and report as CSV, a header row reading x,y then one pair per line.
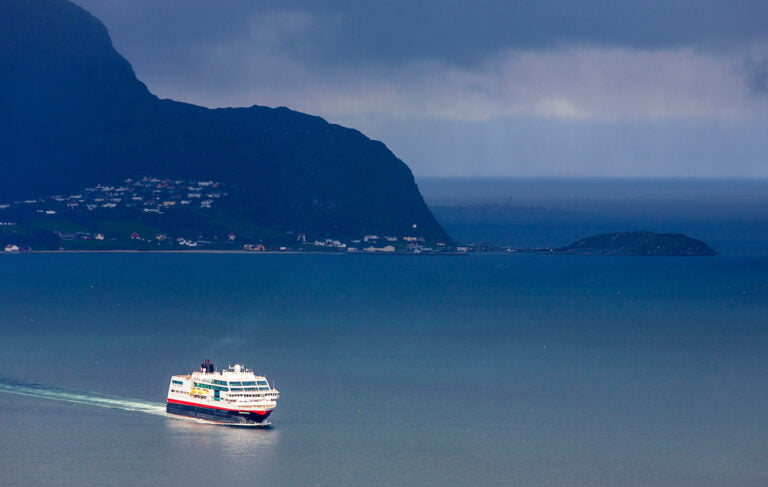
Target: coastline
x,y
213,251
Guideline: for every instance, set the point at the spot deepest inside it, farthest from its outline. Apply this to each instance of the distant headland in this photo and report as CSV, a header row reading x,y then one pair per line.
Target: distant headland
x,y
75,116
632,243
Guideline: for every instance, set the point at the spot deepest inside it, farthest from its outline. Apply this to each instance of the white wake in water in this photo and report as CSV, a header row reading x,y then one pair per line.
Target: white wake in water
x,y
80,397
13,386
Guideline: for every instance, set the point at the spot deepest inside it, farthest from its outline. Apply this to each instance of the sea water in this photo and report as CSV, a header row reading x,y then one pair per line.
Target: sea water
x,y
495,369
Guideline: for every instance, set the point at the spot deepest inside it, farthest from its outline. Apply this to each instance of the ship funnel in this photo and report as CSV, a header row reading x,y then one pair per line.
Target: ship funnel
x,y
206,366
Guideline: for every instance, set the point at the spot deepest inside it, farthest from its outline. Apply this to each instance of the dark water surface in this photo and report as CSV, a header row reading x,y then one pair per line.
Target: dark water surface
x,y
483,370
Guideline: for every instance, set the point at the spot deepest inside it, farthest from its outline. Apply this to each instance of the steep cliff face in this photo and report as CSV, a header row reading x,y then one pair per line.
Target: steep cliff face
x,y
72,114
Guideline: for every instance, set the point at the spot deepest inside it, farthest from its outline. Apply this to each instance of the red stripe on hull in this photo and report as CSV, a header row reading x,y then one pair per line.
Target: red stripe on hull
x,y
197,404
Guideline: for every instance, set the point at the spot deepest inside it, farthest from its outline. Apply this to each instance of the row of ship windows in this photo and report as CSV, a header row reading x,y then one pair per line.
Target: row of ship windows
x,y
178,391
263,385
208,386
238,383
225,389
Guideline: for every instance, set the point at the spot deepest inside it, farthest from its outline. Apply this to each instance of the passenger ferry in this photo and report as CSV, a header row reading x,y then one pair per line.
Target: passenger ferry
x,y
234,395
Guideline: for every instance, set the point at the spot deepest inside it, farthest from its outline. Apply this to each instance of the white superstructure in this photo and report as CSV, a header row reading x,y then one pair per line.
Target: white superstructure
x,y
234,395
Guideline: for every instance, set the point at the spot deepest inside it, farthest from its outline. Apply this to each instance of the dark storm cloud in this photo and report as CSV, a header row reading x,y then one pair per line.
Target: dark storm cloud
x,y
546,87
450,30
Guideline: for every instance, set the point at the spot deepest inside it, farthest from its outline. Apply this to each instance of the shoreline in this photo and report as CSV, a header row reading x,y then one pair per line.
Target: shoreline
x,y
212,251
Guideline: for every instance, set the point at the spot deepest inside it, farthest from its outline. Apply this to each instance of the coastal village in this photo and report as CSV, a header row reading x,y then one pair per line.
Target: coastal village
x,y
149,195
141,199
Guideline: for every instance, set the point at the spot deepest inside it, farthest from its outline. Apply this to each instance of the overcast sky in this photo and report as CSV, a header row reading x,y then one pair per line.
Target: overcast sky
x,y
485,88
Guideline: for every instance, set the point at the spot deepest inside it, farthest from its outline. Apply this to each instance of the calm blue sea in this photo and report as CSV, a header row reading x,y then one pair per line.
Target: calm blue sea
x,y
496,369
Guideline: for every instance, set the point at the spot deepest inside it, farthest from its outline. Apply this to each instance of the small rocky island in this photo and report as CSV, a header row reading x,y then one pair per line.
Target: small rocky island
x,y
638,243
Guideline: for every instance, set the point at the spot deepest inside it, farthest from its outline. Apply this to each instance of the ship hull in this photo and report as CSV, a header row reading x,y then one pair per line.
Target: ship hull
x,y
218,415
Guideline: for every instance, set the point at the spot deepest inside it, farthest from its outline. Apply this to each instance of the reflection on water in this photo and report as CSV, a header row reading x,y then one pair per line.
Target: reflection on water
x,y
253,447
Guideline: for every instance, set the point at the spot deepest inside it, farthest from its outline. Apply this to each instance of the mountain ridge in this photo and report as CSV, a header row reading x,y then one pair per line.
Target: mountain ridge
x,y
77,115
